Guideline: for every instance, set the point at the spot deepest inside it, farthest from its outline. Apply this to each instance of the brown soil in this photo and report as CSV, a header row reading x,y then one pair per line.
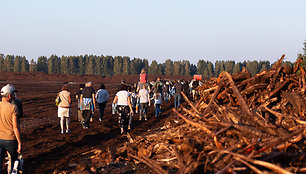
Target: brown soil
x,y
44,148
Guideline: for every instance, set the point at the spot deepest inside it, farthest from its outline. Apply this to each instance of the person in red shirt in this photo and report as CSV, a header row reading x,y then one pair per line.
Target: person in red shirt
x,y
143,79
143,76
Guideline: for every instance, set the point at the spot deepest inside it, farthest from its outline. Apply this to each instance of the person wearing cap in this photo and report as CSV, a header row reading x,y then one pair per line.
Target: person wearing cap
x,y
9,129
17,102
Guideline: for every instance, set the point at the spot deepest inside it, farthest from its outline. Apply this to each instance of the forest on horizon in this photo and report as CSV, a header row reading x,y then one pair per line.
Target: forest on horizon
x,y
123,65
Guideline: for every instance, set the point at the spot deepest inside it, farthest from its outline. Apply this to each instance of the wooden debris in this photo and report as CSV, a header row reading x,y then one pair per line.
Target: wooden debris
x,y
238,124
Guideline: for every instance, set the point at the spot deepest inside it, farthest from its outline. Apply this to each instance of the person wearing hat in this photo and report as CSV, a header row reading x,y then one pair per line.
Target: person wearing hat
x,y
9,130
18,103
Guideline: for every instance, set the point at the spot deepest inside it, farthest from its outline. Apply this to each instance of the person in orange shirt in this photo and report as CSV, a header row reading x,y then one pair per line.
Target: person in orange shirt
x,y
9,130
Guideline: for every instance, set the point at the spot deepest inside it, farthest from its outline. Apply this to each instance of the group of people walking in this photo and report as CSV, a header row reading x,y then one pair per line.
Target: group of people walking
x,y
128,101
136,99
87,99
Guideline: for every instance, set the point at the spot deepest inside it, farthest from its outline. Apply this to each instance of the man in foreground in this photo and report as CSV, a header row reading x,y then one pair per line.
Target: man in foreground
x,y
9,131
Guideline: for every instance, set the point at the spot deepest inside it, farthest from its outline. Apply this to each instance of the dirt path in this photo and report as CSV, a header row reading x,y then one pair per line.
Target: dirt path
x,y
44,148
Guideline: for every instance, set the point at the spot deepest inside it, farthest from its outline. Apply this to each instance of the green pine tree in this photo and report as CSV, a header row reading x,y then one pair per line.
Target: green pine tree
x,y
54,64
64,65
177,68
42,64
118,65
98,65
32,66
126,65
237,67
210,69
9,63
229,66
253,67
81,65
17,64
153,69
24,64
169,67
2,63
89,63
187,69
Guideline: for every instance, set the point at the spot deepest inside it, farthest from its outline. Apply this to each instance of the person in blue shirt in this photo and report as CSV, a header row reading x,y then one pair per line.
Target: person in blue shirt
x,y
102,98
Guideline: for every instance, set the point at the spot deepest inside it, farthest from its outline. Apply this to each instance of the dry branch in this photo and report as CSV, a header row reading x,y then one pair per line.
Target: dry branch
x,y
254,119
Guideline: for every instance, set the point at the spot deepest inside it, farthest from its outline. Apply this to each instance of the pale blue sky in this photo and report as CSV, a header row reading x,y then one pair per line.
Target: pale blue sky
x,y
156,30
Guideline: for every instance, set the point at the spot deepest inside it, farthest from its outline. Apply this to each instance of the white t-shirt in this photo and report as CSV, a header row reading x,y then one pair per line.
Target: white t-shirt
x,y
143,96
123,98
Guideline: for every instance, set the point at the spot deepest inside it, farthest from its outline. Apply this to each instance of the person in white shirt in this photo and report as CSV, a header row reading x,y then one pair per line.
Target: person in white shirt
x,y
124,107
102,98
64,108
144,97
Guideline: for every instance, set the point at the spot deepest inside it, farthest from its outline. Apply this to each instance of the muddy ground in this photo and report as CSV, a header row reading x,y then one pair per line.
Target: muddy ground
x,y
45,150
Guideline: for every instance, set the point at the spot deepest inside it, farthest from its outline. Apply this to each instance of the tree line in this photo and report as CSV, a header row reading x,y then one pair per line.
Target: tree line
x,y
118,65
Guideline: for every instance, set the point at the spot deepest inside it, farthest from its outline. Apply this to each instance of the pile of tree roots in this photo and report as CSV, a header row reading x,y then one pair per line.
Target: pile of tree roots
x,y
238,124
